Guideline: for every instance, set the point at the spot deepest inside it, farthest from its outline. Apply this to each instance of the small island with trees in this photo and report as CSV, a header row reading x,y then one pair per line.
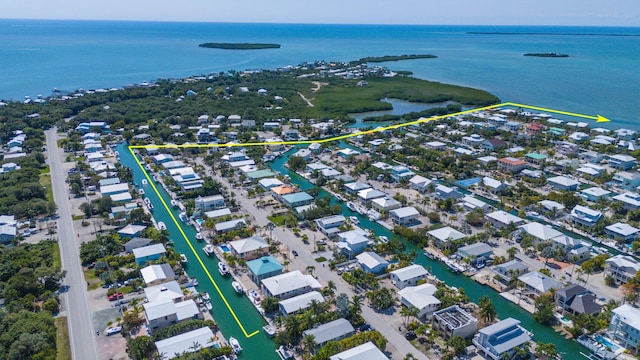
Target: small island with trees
x,y
376,59
547,55
239,46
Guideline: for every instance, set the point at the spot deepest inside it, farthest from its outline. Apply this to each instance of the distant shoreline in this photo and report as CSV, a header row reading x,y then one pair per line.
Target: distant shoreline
x,y
547,55
239,46
545,33
385,58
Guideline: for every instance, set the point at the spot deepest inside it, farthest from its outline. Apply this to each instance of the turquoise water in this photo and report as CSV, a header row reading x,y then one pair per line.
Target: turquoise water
x,y
224,248
608,343
255,347
600,77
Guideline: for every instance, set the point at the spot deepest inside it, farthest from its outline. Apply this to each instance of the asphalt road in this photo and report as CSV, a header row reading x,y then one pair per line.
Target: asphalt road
x,y
81,333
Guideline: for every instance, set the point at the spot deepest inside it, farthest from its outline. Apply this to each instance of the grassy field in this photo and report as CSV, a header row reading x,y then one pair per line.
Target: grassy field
x,y
62,339
45,180
93,280
57,261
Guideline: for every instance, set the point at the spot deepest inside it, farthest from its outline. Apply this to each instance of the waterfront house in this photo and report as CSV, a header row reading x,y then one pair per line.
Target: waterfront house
x,y
443,236
405,215
591,170
288,285
160,314
541,233
408,276
454,321
420,297
594,194
371,262
149,253
135,243
329,225
576,300
511,165
621,161
355,187
226,226
502,219
420,183
366,351
167,291
510,269
446,192
563,183
113,189
552,208
471,203
178,345
621,268
316,166
207,203
584,216
503,337
624,326
173,164
475,252
494,186
157,274
249,248
332,331
268,183
622,232
214,214
625,134
538,283
385,204
264,267
130,231
626,180
297,199
352,243
294,305
365,196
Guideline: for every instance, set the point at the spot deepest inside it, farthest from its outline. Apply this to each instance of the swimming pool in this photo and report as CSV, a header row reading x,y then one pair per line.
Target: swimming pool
x,y
200,221
607,342
468,182
224,248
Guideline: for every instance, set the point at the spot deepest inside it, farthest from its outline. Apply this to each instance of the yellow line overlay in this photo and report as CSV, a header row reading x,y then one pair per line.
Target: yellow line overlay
x,y
598,118
192,248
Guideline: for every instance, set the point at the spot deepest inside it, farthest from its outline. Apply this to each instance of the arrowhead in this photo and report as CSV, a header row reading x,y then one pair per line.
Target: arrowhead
x,y
601,119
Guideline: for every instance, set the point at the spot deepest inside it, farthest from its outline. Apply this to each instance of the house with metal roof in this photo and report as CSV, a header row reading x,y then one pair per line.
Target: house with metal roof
x,y
135,243
624,326
355,187
299,303
386,203
584,216
371,262
365,196
353,242
268,183
113,189
168,291
160,314
621,267
249,248
175,346
563,183
366,351
446,192
264,267
230,225
297,199
540,233
420,297
332,331
509,269
420,183
502,219
329,225
454,321
471,203
408,276
503,337
214,214
209,202
622,232
475,252
630,200
626,180
538,283
576,300
493,185
443,236
149,253
289,284
405,215
157,274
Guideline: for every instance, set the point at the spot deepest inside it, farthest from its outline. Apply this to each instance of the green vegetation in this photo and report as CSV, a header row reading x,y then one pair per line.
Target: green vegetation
x,y
334,347
547,55
544,308
377,59
239,46
22,192
63,343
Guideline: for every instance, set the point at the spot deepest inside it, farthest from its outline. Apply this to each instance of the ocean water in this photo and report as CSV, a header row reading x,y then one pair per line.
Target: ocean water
x,y
600,77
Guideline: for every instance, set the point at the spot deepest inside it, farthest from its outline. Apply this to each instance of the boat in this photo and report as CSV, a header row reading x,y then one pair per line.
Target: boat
x,y
222,267
354,220
235,345
148,167
383,239
451,265
162,226
362,211
155,178
270,330
174,203
208,306
431,255
183,217
237,287
194,282
339,197
144,182
199,236
205,295
141,191
255,297
183,258
351,206
208,249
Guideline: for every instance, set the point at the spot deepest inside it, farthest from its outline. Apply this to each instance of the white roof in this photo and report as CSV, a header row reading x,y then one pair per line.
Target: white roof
x,y
149,250
300,302
115,188
446,233
176,345
334,329
540,282
248,244
159,309
231,224
170,291
370,193
371,259
563,180
629,315
386,202
218,213
585,210
290,281
625,261
366,351
540,231
473,203
404,212
270,182
491,182
152,273
622,229
420,296
410,272
596,191
550,205
504,217
420,180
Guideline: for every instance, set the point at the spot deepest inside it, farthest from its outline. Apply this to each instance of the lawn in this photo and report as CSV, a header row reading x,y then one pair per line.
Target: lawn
x,y
45,180
57,261
62,339
93,280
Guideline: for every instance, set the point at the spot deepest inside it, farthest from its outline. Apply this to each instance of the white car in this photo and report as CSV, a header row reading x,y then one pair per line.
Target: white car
x,y
113,330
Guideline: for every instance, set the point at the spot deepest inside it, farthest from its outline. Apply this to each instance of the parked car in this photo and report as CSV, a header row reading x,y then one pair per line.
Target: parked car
x,y
410,335
116,296
294,252
113,330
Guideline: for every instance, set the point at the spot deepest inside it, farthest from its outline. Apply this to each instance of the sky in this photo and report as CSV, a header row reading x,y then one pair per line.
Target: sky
x,y
422,12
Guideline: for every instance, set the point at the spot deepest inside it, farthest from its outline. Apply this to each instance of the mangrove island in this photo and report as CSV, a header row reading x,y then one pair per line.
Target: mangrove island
x,y
548,55
239,46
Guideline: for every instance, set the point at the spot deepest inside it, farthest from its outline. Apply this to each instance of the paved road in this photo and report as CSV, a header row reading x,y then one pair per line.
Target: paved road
x,y
81,333
397,343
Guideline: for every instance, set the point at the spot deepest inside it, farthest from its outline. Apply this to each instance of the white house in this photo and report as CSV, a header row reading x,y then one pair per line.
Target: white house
x,y
420,183
621,268
505,336
445,235
404,215
209,202
300,302
622,232
408,276
420,297
454,321
183,343
372,263
289,284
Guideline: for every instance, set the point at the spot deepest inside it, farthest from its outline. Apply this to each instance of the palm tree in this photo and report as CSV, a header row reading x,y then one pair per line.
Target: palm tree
x,y
355,309
487,309
309,343
292,324
331,287
404,312
413,312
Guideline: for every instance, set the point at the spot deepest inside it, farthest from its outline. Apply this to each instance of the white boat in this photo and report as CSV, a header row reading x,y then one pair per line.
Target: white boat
x,y
183,258
351,206
383,239
208,306
199,236
255,297
141,191
270,330
362,211
431,255
354,220
222,267
155,178
144,182
161,226
183,217
237,287
205,295
235,345
208,249
148,167
174,203
339,197
194,282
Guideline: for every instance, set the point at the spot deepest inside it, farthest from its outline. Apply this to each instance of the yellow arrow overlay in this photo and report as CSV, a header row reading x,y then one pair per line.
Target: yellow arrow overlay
x,y
597,118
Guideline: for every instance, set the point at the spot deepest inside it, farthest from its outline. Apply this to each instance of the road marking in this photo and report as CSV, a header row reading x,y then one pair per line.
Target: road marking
x,y
597,118
179,225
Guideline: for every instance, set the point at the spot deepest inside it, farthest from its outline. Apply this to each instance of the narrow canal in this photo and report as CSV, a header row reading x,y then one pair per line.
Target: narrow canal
x,y
205,269
505,308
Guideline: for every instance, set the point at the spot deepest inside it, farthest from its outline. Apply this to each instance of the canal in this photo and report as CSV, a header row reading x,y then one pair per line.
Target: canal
x,y
235,315
473,289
